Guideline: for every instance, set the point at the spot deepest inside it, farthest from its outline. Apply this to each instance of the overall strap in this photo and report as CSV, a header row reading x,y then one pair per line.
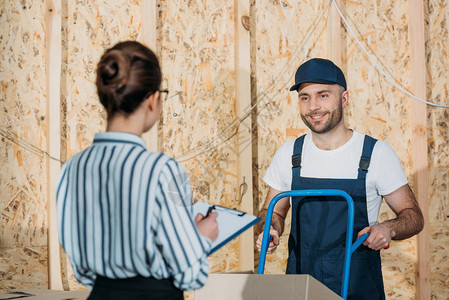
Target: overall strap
x,y
296,157
368,146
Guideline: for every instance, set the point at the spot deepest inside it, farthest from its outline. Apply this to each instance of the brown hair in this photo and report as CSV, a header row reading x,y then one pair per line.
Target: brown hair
x,y
127,73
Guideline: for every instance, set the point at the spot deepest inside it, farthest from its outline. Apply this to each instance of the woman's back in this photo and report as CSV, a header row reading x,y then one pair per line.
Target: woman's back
x,y
124,211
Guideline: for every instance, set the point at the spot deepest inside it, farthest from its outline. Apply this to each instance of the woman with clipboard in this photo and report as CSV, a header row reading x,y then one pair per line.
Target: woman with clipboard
x,y
127,235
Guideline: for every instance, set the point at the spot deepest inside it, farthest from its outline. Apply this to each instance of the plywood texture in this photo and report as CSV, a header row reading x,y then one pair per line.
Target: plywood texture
x,y
197,53
92,27
280,45
195,43
380,110
23,236
23,267
437,56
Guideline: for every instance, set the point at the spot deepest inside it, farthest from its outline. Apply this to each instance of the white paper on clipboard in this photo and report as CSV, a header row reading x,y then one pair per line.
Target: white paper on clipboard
x,y
231,222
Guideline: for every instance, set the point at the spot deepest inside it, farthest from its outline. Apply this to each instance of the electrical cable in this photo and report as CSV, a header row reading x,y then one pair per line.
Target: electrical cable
x,y
236,124
379,68
27,146
264,95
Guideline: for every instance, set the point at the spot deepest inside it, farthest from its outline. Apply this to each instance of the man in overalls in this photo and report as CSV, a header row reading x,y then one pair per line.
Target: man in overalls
x,y
333,156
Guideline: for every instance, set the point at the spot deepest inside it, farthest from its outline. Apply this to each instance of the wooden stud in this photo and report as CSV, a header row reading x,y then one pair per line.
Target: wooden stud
x,y
334,29
53,78
149,35
243,105
419,142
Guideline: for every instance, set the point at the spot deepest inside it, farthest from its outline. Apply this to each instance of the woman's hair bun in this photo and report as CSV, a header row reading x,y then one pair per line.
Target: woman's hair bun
x,y
113,70
127,73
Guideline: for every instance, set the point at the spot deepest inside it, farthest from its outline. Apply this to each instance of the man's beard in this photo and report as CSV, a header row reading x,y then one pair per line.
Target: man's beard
x,y
332,121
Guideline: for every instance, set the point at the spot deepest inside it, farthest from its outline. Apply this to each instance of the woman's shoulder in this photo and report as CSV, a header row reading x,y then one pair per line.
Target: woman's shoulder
x,y
164,162
161,158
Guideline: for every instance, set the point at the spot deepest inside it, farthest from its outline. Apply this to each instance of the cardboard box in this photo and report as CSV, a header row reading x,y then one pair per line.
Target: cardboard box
x,y
260,287
225,286
36,294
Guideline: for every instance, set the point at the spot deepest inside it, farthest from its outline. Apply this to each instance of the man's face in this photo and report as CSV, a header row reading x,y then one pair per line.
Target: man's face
x,y
321,106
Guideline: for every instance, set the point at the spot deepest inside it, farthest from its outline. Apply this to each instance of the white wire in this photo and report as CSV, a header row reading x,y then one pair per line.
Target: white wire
x,y
264,94
379,68
27,146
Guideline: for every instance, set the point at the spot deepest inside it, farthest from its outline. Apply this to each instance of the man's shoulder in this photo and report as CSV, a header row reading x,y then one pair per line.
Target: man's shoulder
x,y
360,136
359,139
381,148
286,148
283,153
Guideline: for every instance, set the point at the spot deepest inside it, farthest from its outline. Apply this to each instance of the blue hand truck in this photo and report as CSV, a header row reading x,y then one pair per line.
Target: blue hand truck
x,y
350,248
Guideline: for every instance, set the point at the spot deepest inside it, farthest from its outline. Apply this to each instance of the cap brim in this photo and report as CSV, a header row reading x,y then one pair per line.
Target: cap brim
x,y
296,86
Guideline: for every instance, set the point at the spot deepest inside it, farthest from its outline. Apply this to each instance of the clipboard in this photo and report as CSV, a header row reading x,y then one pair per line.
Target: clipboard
x,y
231,222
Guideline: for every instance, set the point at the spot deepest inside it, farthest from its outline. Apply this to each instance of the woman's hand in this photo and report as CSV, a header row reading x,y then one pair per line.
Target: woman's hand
x,y
207,226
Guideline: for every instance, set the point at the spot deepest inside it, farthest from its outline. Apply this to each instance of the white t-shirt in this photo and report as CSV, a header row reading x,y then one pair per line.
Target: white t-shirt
x,y
385,173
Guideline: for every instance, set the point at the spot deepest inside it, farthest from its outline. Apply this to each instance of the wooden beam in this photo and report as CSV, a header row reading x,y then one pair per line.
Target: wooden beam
x,y
148,38
419,141
334,30
243,106
53,79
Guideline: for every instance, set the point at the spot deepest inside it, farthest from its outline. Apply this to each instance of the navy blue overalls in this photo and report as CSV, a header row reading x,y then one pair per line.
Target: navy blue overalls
x,y
318,231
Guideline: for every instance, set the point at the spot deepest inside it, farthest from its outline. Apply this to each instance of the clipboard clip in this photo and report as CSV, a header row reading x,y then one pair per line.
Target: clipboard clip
x,y
228,209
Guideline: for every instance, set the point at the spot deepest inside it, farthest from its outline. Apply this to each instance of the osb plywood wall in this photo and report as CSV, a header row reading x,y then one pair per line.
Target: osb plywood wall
x,y
92,26
437,57
196,46
197,54
382,111
23,194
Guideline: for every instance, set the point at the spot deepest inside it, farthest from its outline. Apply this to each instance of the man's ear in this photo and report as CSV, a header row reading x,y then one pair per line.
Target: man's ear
x,y
153,100
344,98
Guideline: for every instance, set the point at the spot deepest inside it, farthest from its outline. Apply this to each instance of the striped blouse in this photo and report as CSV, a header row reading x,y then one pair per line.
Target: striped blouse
x,y
124,211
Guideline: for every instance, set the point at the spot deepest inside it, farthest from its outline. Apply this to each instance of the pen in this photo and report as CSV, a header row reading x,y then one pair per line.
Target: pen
x,y
209,210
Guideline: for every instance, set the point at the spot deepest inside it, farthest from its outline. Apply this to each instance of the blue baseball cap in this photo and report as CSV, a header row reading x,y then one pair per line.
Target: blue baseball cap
x,y
319,70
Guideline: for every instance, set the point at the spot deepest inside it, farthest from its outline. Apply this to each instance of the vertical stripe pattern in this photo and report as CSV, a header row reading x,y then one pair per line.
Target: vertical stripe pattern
x,y
124,211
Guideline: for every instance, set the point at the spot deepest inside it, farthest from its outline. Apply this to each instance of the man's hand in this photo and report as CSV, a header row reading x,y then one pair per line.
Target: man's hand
x,y
274,242
277,221
379,236
207,226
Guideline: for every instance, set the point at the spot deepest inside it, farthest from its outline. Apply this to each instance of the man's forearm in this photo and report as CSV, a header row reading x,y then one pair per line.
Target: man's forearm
x,y
277,221
408,222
